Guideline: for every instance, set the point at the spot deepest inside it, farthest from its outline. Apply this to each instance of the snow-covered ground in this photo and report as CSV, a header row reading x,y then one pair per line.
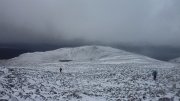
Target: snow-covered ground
x,y
95,73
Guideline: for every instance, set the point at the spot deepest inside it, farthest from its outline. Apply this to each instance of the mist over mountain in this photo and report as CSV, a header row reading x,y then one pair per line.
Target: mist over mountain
x,y
145,27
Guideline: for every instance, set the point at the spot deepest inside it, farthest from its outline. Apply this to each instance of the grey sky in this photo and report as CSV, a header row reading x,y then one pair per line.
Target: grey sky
x,y
54,21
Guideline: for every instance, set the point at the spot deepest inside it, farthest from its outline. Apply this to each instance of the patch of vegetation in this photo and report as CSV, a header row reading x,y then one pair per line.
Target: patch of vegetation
x,y
65,60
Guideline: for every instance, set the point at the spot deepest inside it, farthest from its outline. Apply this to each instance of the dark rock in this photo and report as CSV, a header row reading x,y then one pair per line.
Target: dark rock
x,y
74,95
165,99
3,100
2,93
178,93
144,97
37,91
53,92
11,85
10,69
10,76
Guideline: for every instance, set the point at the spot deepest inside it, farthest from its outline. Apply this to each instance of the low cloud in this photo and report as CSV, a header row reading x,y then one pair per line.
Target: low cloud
x,y
116,21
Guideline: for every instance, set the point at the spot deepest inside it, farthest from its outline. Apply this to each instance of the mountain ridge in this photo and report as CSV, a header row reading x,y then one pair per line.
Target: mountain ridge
x,y
78,54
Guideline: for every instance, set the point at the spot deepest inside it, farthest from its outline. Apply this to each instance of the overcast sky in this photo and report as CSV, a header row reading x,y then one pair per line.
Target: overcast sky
x,y
117,21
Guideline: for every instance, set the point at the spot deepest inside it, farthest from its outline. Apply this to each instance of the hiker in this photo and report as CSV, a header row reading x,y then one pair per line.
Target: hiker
x,y
60,69
154,75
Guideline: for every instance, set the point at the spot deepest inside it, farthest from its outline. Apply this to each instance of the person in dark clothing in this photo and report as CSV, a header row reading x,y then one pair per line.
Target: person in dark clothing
x,y
60,69
154,75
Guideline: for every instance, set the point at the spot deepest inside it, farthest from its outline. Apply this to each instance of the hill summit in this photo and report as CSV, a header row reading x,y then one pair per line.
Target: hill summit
x,y
78,54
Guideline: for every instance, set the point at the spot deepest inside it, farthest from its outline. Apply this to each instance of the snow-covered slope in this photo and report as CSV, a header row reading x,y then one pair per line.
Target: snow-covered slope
x,y
176,60
96,74
90,82
78,54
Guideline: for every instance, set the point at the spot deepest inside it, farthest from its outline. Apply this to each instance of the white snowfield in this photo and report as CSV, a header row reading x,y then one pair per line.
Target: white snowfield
x,y
89,73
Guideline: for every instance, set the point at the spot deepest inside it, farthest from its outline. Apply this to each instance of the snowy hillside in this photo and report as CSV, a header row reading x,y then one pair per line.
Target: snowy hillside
x,y
95,73
176,60
78,54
